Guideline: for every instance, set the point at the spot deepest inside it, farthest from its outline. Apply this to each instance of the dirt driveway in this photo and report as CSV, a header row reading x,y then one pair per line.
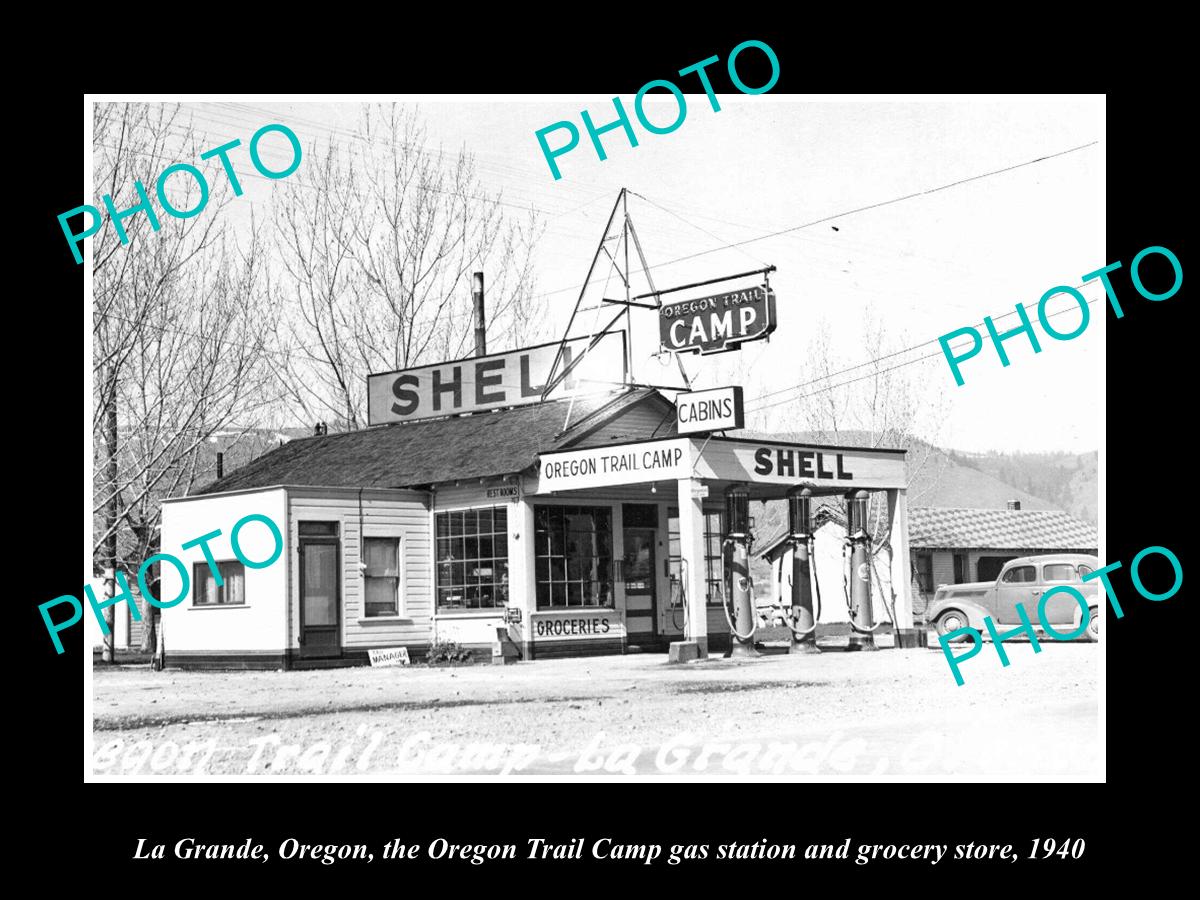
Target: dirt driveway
x,y
891,713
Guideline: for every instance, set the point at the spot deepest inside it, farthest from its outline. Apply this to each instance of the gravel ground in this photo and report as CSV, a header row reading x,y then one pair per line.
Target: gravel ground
x,y
891,713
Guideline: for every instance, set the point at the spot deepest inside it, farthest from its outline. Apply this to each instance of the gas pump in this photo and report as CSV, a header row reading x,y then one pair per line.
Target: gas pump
x,y
803,623
743,623
858,598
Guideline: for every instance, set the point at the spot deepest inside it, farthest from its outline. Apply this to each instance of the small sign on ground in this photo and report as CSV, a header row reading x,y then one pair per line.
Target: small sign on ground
x,y
389,656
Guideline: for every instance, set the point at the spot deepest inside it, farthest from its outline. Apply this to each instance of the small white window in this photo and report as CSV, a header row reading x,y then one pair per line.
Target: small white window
x,y
381,577
230,592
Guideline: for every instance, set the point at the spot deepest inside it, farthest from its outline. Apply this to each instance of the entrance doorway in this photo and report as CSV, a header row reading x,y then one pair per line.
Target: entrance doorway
x,y
320,603
640,572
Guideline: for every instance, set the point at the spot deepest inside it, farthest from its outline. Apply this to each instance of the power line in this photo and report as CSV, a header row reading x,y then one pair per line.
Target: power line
x,y
851,212
239,110
872,373
868,362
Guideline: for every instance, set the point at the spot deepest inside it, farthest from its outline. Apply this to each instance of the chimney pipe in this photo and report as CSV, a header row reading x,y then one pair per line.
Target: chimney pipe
x,y
220,464
480,320
1014,504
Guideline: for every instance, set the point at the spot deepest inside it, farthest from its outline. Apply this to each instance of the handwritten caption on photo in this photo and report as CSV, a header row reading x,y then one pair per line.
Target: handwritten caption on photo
x,y
372,750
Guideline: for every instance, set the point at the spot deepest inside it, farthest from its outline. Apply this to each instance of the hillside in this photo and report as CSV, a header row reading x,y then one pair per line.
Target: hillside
x,y
1068,481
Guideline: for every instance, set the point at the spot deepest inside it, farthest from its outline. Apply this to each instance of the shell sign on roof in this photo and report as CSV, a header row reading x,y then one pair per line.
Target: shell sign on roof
x,y
501,380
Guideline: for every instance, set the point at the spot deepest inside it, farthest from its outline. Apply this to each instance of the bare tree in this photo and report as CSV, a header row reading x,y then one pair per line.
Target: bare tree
x,y
178,340
377,240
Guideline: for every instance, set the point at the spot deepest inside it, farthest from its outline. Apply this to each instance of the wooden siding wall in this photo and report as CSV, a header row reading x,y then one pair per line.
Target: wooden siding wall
x,y
637,423
401,514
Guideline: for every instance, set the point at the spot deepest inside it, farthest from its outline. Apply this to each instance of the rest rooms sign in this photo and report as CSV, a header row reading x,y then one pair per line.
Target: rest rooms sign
x,y
711,410
718,323
493,382
615,464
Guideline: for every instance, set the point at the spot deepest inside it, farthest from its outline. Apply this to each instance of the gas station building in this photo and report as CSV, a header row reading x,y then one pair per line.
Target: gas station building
x,y
572,527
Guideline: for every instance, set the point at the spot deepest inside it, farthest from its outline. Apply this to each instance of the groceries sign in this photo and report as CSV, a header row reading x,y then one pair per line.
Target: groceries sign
x,y
718,323
493,382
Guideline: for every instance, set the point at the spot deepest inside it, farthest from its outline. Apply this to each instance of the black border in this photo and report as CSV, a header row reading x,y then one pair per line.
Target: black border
x,y
1149,373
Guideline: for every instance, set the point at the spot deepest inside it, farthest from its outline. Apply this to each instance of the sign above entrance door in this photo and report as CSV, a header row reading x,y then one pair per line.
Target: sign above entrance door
x,y
500,380
771,462
712,410
717,323
615,464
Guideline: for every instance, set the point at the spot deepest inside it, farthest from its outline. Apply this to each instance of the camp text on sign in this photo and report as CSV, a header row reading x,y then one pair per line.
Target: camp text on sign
x,y
717,323
500,380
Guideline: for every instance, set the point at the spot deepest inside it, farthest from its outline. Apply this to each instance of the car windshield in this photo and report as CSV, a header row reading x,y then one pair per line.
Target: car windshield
x,y
1020,575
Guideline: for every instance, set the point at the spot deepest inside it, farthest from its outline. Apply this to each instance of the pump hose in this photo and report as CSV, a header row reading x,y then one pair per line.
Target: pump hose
x,y
890,608
744,638
799,633
682,597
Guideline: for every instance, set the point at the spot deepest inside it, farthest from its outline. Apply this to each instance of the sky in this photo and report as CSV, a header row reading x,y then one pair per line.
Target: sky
x,y
923,266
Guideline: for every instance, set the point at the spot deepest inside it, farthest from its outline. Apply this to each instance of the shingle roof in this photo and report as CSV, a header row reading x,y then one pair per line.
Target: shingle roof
x,y
417,453
956,528
987,529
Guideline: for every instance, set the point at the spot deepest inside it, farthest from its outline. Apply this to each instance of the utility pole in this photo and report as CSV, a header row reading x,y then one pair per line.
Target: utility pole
x,y
111,511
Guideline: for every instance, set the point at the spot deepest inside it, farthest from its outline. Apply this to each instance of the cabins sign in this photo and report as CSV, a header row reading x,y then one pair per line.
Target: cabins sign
x,y
500,380
718,323
715,409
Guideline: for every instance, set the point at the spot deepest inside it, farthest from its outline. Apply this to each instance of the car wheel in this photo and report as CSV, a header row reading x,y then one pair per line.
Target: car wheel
x,y
1093,630
951,620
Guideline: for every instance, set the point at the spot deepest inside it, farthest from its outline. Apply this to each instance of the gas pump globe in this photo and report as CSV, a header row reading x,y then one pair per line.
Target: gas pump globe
x,y
800,512
737,512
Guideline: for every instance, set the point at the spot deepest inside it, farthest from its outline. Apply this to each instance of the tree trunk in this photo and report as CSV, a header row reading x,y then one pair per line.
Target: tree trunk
x,y
160,646
150,612
110,520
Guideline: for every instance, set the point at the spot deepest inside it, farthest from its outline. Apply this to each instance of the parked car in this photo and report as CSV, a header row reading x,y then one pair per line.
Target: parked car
x,y
1023,581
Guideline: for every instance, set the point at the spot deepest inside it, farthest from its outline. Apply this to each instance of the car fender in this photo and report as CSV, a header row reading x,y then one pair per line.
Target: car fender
x,y
974,612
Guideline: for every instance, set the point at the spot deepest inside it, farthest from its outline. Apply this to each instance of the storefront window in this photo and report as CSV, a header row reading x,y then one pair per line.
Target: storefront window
x,y
573,556
714,568
472,558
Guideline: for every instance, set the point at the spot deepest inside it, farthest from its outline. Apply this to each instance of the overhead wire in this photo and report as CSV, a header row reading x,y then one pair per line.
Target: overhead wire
x,y
855,211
